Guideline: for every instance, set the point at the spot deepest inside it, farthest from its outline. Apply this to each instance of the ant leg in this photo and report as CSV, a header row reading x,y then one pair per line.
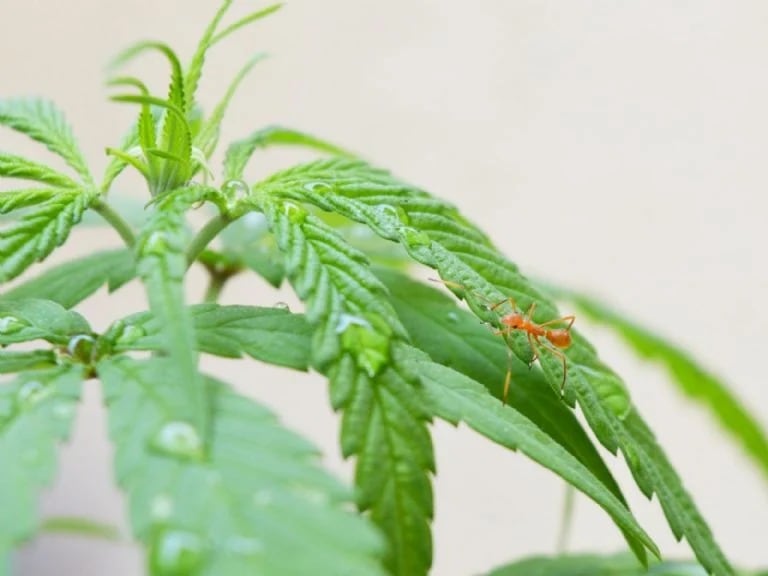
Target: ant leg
x,y
535,349
502,302
563,359
570,319
557,352
507,377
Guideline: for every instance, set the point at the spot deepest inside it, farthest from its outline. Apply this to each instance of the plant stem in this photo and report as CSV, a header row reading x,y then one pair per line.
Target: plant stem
x,y
204,237
215,286
116,221
566,520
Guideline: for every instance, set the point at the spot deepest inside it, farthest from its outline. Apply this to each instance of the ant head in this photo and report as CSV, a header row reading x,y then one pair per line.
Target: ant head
x,y
514,321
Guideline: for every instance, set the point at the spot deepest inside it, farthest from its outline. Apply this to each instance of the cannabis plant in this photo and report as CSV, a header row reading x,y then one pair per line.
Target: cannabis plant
x,y
214,484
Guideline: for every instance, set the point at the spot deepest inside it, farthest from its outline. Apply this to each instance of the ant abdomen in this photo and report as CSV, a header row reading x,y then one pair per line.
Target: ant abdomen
x,y
559,337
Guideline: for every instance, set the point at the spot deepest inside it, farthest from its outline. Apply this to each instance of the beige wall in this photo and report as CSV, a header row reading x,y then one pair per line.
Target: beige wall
x,y
617,147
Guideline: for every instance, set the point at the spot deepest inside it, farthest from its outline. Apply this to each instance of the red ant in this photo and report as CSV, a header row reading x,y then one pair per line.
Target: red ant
x,y
554,339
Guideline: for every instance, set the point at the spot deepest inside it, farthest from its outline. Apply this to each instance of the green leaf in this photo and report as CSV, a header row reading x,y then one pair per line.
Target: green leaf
x,y
123,155
452,337
195,68
70,283
689,375
435,235
123,159
78,526
594,565
271,335
38,233
176,139
23,361
255,504
162,264
23,169
240,152
383,423
12,200
454,397
603,399
36,414
146,130
245,21
144,136
41,120
384,426
25,320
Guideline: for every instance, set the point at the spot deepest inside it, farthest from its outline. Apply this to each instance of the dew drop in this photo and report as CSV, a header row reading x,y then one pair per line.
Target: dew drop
x,y
80,345
236,189
161,507
178,439
32,392
413,237
282,306
318,187
347,320
155,244
177,553
452,317
11,324
295,213
254,221
390,219
130,334
388,213
369,347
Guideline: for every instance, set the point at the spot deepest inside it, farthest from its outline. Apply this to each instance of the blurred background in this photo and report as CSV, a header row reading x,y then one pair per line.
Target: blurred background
x,y
614,147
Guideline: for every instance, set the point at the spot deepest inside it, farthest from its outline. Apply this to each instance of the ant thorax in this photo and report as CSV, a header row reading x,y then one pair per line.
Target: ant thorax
x,y
514,321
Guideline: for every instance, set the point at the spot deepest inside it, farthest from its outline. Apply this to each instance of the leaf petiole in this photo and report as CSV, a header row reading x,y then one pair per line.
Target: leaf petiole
x,y
206,234
116,221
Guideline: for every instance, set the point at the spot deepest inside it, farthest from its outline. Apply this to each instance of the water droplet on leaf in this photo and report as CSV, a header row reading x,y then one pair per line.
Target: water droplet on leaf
x,y
453,317
81,346
178,439
413,237
347,320
31,393
295,213
236,189
177,553
369,347
130,334
156,244
388,217
11,324
318,187
282,306
254,221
